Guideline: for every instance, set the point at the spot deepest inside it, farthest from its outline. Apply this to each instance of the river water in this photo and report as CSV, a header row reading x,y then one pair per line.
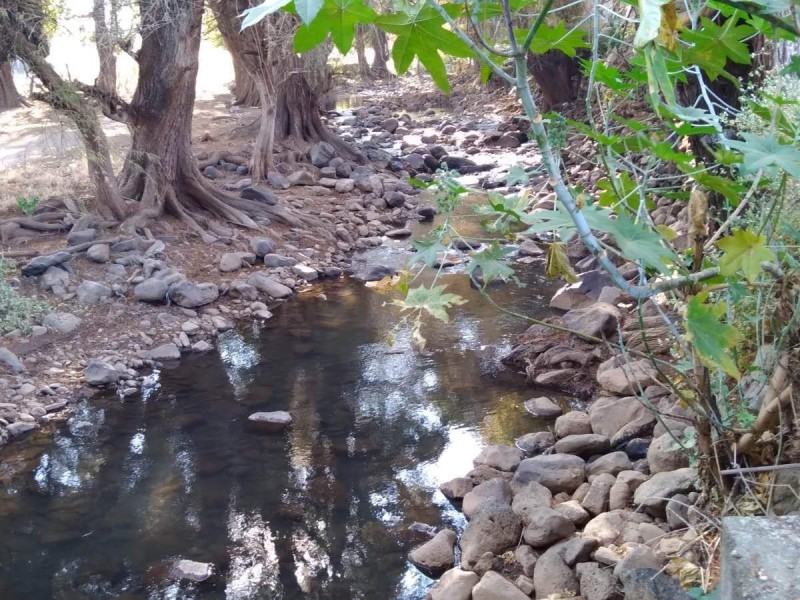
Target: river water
x,y
321,511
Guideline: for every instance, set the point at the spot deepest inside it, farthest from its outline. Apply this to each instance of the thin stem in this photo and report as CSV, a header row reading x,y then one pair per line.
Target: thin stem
x,y
526,44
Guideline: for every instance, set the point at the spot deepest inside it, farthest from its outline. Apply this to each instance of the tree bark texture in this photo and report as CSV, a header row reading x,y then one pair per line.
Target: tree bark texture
x,y
245,90
556,76
381,48
364,70
104,41
9,97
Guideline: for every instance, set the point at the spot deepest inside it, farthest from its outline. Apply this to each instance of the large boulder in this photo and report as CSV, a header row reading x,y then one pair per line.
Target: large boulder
x,y
609,415
612,463
598,320
500,457
531,496
584,444
494,528
654,493
99,373
575,422
557,472
546,526
436,555
188,294
268,285
494,586
457,488
455,584
493,491
628,377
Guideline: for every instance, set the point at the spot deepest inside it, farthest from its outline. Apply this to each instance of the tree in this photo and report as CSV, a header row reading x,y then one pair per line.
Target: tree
x,y
104,39
9,97
245,91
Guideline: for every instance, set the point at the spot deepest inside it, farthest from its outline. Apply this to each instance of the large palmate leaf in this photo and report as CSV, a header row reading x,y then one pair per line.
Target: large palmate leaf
x,y
420,33
713,45
254,15
491,263
435,301
712,339
337,18
427,251
766,153
556,38
745,250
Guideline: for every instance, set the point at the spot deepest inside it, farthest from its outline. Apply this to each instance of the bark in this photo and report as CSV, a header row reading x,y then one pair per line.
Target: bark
x,y
160,169
381,48
64,98
104,41
364,70
556,76
9,97
245,90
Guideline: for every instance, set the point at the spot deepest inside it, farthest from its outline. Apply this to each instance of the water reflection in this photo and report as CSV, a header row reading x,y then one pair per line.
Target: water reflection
x,y
320,511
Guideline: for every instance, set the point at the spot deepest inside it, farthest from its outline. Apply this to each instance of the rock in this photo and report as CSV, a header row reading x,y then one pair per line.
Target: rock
x,y
552,576
573,510
583,293
262,246
321,154
277,180
598,583
525,583
606,527
188,294
500,457
20,428
585,444
664,454
373,272
92,292
507,140
99,373
260,194
345,186
609,463
457,488
267,285
39,265
599,320
483,473
151,290
494,528
11,361
426,213
301,177
637,448
202,346
651,584
619,495
637,556
545,527
494,586
531,496
654,493
557,472
543,407
164,352
81,237
398,233
535,443
230,262
191,570
633,479
609,415
628,378
99,253
212,172
575,422
596,499
306,272
577,550
394,199
494,491
276,260
390,124
270,421
61,322
54,278
455,584
437,555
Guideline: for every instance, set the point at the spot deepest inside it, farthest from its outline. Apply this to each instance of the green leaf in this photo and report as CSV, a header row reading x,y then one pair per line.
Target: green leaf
x,y
713,45
556,38
427,250
337,18
637,242
420,33
766,153
744,250
307,9
432,300
517,176
793,68
558,265
649,21
490,262
712,340
257,13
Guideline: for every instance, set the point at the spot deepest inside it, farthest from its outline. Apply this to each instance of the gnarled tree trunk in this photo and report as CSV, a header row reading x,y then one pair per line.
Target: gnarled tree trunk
x,y
364,70
9,97
160,169
381,47
104,41
556,76
245,90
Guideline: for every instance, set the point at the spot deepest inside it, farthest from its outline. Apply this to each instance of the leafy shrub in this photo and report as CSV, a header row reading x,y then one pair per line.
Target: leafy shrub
x,y
28,204
17,311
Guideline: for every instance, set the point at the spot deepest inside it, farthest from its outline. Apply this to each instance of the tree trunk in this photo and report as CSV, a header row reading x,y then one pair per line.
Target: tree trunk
x,y
381,48
364,70
245,91
160,170
104,41
9,97
555,74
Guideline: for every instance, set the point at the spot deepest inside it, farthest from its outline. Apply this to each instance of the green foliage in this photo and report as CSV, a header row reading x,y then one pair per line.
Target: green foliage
x,y
17,311
556,38
767,153
27,204
713,340
490,263
337,18
434,300
744,250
